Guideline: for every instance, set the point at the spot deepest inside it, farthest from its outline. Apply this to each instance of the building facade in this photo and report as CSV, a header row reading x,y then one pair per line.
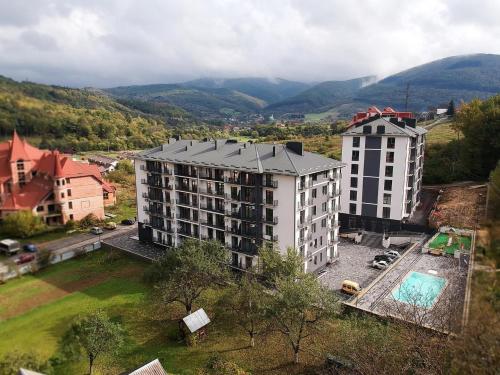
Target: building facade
x,y
49,184
242,194
382,181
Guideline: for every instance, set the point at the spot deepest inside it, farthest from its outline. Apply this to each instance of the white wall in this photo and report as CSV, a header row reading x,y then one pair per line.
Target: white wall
x,y
285,211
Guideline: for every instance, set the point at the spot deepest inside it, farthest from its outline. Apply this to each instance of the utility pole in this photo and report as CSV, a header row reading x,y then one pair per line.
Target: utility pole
x,y
406,96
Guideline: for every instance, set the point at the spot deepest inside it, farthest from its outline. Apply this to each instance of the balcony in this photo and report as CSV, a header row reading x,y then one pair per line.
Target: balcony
x,y
186,187
304,203
184,173
232,180
212,224
270,183
184,202
305,222
216,192
273,238
335,194
213,208
233,230
212,177
270,220
232,197
163,241
184,232
271,203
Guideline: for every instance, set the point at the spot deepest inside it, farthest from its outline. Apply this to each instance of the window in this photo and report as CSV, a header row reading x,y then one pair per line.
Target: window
x,y
388,170
355,155
387,198
20,165
70,205
386,212
354,168
388,185
39,208
62,195
321,257
323,223
269,196
71,217
354,182
355,141
314,210
389,157
105,195
325,190
323,207
313,228
68,180
69,192
314,193
269,230
353,195
391,142
352,208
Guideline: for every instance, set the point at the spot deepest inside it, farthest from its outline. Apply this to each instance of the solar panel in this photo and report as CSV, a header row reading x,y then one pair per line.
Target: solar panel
x,y
196,320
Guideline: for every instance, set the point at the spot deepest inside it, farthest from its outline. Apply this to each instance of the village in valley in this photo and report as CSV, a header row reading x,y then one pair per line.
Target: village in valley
x,y
174,221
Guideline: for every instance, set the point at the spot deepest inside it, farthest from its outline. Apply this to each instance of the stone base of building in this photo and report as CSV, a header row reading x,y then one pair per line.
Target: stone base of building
x,y
349,223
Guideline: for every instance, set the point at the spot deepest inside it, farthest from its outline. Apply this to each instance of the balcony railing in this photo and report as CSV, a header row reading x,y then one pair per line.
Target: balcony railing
x,y
271,220
212,224
273,238
305,222
304,203
186,187
213,208
270,184
192,174
163,241
219,193
271,202
214,177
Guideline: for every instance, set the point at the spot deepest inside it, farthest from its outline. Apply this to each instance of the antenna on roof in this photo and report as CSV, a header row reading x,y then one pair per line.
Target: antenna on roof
x,y
407,96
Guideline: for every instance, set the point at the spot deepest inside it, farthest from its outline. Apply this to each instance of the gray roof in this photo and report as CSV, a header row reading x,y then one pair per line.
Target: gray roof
x,y
390,129
196,320
249,157
151,368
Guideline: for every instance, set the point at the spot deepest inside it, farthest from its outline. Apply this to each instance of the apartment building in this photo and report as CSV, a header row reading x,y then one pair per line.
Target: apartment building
x,y
244,195
381,183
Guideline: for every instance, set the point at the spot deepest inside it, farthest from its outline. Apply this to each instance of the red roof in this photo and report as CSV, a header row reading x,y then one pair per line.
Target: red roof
x,y
47,164
374,111
30,195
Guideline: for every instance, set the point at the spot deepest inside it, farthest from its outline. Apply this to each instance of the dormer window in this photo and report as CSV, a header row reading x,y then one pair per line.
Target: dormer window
x,y
20,165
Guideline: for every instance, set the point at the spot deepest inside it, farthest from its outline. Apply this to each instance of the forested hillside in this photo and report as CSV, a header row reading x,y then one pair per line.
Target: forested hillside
x,y
73,119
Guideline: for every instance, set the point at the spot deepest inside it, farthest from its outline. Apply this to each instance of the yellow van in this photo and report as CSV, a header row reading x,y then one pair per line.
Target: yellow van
x,y
351,287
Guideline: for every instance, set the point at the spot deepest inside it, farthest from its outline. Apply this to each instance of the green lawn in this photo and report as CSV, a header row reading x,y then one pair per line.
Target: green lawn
x,y
442,133
441,241
36,310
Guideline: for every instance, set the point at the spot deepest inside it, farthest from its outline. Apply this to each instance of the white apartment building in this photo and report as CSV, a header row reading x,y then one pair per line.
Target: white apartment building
x,y
242,194
382,180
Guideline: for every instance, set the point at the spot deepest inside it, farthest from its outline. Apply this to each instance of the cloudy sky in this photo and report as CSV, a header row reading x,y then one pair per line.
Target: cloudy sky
x,y
104,43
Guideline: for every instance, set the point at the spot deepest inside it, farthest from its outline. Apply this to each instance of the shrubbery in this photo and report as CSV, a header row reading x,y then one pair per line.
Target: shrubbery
x,y
23,224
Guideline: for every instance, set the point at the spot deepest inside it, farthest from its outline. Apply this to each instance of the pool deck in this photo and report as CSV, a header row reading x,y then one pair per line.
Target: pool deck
x,y
376,298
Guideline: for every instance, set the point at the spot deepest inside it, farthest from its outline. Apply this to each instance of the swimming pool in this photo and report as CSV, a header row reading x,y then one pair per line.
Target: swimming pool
x,y
419,289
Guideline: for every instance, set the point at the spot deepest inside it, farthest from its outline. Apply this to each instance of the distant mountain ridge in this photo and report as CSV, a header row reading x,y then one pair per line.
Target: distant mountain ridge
x,y
433,84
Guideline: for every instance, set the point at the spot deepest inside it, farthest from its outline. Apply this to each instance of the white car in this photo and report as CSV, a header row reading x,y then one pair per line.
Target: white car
x,y
96,230
380,264
392,253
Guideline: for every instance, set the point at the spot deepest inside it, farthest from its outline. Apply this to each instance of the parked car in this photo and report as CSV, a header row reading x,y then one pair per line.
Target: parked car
x,y
385,258
351,287
110,225
25,258
380,264
392,253
30,248
9,246
96,230
128,221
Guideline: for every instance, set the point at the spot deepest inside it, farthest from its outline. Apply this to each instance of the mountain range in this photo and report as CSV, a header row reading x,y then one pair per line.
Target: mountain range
x,y
429,85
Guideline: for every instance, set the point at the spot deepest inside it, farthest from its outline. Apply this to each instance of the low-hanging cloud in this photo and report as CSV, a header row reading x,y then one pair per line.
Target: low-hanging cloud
x,y
103,43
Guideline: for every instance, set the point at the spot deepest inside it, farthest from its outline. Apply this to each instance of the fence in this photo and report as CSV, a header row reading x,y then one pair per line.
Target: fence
x,y
10,271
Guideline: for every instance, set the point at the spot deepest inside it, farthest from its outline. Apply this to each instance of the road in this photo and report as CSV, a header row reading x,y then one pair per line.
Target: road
x,y
79,240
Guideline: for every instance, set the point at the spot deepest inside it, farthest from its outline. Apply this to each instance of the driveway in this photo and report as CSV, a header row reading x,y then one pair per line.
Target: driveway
x,y
354,263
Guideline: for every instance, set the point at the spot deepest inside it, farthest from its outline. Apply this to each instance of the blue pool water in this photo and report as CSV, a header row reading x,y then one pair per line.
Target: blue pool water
x,y
419,289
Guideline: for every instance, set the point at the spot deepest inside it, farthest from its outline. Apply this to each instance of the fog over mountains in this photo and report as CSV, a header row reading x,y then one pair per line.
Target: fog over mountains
x,y
436,83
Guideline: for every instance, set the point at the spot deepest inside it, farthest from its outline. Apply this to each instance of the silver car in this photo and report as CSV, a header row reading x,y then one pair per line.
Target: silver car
x,y
380,264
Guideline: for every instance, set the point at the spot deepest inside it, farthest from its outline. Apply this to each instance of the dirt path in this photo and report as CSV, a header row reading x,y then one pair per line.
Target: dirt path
x,y
60,291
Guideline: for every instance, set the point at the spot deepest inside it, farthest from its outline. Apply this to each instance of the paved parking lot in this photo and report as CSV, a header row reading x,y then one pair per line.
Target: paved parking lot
x,y
354,263
128,242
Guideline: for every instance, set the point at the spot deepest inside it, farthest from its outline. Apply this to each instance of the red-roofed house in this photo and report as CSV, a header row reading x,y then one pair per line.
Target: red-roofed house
x,y
50,184
374,112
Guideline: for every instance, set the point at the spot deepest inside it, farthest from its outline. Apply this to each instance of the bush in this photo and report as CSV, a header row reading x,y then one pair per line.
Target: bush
x,y
23,224
13,361
70,225
219,366
89,221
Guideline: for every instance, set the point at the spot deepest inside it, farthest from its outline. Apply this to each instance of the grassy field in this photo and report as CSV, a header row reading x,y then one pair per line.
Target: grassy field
x,y
36,311
442,133
330,146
